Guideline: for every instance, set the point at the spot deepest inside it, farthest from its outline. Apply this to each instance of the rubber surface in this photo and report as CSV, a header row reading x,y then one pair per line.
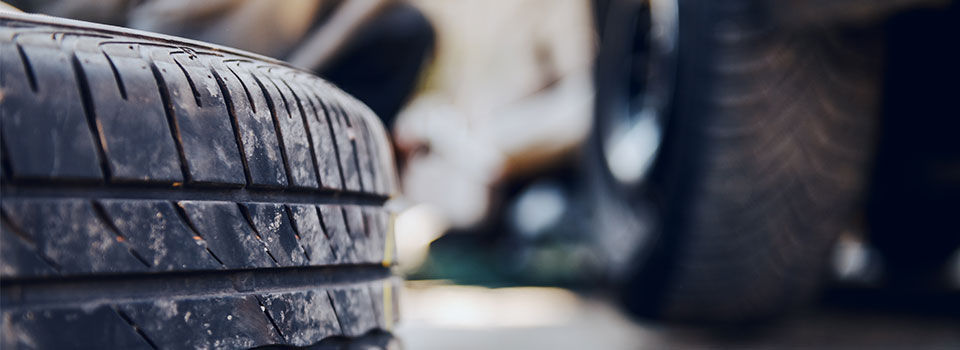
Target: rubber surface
x,y
165,193
764,162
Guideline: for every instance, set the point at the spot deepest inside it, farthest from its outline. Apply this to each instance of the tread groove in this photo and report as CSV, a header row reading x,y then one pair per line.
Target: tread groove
x,y
7,169
90,115
82,290
193,86
256,231
102,215
336,314
352,134
16,229
286,104
296,230
246,90
346,223
232,111
356,161
20,233
214,256
182,213
168,110
27,67
270,318
276,126
372,160
126,318
28,190
306,128
326,233
116,76
333,136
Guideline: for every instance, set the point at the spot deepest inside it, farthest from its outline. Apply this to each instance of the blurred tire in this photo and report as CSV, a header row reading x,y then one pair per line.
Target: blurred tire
x,y
166,193
763,163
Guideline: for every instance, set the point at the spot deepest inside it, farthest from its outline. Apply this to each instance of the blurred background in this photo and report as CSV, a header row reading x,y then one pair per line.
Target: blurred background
x,y
625,174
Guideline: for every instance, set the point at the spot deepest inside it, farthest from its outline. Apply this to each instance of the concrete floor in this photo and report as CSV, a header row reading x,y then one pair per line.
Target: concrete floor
x,y
443,316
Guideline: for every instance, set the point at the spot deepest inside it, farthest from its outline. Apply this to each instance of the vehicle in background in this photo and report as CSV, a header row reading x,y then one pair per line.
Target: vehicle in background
x,y
749,136
744,156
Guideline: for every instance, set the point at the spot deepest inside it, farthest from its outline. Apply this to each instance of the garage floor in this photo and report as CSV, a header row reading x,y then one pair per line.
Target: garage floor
x,y
437,315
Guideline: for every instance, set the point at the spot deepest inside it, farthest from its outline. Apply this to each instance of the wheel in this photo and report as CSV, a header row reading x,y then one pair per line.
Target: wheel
x,y
767,133
165,193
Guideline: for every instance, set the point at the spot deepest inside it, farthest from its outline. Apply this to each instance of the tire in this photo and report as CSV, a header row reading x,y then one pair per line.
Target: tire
x,y
768,139
165,193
